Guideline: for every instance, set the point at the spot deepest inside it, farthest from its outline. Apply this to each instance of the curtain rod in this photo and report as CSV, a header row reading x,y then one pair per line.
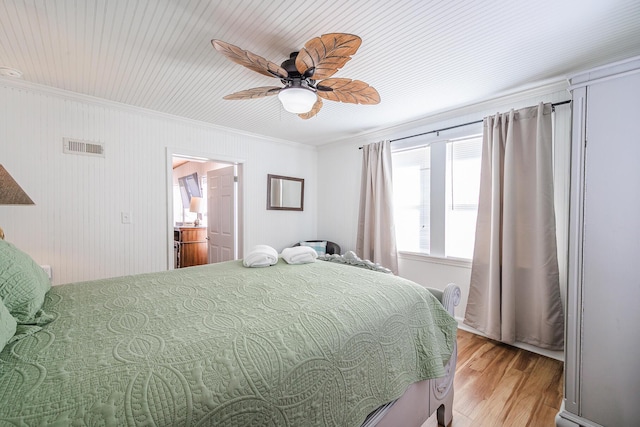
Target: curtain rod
x,y
553,106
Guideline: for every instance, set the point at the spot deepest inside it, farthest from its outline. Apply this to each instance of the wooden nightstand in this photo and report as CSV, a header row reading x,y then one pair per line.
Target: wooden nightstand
x,y
191,246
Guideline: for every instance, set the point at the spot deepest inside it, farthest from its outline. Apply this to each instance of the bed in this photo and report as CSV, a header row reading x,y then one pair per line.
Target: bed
x,y
289,345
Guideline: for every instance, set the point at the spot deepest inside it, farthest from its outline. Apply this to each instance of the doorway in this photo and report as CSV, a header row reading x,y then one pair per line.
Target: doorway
x,y
204,195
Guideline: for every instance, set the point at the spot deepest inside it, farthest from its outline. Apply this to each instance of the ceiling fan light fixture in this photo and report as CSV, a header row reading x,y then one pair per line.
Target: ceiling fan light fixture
x,y
297,100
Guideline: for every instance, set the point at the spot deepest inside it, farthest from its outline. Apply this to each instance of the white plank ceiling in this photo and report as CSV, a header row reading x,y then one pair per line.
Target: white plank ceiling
x,y
424,57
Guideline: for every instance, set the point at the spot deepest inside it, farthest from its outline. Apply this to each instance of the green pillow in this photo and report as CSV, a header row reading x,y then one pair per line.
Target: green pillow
x,y
7,325
23,283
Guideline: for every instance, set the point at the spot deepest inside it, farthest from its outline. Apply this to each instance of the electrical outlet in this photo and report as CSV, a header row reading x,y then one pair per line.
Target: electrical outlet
x,y
125,217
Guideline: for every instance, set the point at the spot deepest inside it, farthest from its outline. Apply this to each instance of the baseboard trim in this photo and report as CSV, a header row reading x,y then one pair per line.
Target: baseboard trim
x,y
557,355
567,419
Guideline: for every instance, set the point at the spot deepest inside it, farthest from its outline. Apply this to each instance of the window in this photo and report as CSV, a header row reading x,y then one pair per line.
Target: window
x,y
436,190
411,192
462,191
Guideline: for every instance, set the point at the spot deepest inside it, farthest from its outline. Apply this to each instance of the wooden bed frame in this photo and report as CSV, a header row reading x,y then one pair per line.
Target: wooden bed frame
x,y
410,409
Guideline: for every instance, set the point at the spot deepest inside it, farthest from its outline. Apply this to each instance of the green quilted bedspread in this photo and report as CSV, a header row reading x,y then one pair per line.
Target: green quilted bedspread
x,y
288,345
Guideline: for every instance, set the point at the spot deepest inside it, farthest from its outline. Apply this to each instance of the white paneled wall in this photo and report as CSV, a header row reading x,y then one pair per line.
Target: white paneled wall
x,y
339,165
75,225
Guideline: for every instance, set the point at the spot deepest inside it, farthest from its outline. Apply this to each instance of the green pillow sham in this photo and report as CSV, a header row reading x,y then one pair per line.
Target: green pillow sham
x,y
7,325
23,283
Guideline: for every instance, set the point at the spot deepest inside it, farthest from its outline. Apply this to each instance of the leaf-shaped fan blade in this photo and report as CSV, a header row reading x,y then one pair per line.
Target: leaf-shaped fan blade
x,y
256,92
326,54
347,90
314,110
250,60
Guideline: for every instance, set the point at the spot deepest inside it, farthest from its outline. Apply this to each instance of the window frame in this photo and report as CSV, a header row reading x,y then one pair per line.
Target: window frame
x,y
438,206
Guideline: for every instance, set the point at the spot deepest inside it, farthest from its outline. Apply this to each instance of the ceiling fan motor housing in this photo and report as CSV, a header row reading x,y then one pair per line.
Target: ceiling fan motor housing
x,y
290,66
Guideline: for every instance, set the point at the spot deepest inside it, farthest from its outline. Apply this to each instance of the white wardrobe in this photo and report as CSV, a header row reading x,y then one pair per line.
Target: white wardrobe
x,y
602,357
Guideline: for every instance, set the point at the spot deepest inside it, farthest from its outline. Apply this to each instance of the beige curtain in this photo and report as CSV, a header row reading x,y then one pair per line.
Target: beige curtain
x,y
376,228
515,293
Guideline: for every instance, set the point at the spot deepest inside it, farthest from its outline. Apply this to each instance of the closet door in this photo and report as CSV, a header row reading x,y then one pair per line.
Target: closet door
x,y
610,371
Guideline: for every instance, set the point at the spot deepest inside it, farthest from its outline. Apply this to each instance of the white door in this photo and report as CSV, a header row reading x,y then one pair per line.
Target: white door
x,y
221,208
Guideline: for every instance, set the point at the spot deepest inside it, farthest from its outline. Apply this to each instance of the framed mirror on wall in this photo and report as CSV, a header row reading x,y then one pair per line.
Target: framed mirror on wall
x,y
285,193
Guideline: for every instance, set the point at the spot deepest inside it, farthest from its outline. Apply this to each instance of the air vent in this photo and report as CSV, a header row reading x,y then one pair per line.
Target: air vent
x,y
87,148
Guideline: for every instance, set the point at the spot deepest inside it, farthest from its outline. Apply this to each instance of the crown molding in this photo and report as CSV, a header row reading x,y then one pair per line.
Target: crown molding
x,y
475,109
89,99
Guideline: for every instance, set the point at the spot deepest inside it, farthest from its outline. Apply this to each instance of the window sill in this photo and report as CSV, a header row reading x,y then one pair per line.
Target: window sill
x,y
454,262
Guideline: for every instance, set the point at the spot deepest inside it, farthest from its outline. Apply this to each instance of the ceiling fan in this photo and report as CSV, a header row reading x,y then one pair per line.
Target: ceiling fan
x,y
306,74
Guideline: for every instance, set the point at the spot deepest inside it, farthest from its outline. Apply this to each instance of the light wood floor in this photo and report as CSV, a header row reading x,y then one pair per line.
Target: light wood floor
x,y
500,385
